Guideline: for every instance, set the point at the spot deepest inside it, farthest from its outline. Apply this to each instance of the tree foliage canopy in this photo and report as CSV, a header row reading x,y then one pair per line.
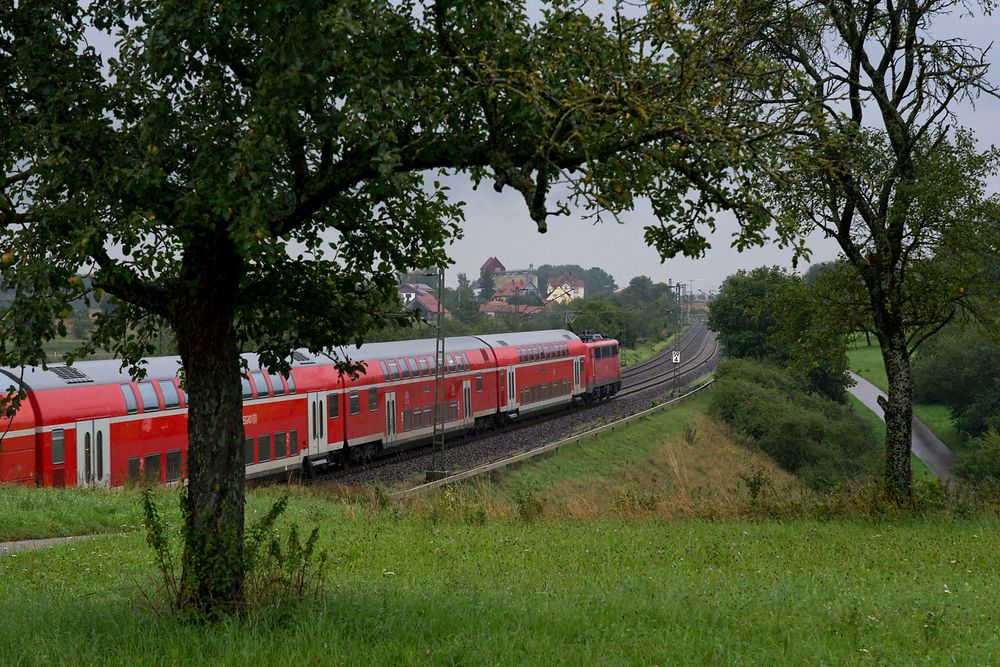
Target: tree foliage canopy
x,y
254,174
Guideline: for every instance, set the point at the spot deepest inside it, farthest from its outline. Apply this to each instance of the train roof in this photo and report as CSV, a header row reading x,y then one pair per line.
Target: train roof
x,y
110,371
528,338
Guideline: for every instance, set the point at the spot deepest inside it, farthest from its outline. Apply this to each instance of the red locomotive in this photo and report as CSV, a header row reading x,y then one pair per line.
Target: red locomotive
x,y
90,425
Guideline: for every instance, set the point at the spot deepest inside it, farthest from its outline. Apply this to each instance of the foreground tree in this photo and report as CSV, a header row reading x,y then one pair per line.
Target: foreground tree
x,y
880,168
254,174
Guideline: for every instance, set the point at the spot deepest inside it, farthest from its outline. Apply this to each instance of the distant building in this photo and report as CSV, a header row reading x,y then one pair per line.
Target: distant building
x,y
491,308
565,288
420,297
491,266
508,289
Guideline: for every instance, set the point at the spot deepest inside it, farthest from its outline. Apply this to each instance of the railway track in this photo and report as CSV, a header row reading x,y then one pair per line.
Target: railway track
x,y
642,385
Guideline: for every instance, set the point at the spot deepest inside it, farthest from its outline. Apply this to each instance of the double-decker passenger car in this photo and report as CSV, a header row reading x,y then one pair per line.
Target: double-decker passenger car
x,y
90,425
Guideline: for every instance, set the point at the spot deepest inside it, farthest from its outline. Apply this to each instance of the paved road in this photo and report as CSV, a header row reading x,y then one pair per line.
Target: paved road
x,y
925,445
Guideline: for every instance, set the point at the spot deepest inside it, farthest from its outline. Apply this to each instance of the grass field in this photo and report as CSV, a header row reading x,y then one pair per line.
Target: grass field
x,y
405,590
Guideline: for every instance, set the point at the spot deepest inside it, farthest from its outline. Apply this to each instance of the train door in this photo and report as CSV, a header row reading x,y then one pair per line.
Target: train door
x,y
511,390
317,423
467,417
93,453
390,418
577,375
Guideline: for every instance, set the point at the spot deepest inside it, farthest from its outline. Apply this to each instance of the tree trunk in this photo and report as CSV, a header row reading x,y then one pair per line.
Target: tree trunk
x,y
213,560
898,478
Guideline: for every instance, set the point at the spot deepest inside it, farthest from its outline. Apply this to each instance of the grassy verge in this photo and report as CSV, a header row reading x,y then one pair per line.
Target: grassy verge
x,y
636,355
405,590
672,464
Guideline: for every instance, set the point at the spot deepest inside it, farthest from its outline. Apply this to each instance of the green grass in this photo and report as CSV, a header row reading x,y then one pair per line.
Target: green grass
x,y
866,361
403,590
29,513
590,458
636,355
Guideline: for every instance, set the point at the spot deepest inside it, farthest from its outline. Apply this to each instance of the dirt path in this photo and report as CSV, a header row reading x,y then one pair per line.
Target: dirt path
x,y
25,545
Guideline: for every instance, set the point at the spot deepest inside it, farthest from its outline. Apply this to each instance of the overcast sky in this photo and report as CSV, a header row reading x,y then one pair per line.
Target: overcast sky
x,y
499,225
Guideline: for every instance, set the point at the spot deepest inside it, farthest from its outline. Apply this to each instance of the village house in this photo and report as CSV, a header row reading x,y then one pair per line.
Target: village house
x,y
420,297
565,288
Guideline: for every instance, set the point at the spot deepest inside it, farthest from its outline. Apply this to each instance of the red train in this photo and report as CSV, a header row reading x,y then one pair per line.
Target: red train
x,y
90,425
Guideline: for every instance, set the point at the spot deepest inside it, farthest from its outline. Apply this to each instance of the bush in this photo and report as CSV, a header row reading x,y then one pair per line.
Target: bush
x,y
981,459
818,439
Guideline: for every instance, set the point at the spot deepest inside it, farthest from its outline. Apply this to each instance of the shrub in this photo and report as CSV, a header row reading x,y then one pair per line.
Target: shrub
x,y
981,459
818,439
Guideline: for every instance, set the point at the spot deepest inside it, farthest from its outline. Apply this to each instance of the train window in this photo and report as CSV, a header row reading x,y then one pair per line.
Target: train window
x,y
248,451
385,370
276,383
87,447
355,402
58,446
333,406
259,383
247,391
427,416
133,469
264,447
459,362
291,384
171,399
414,368
280,445
451,363
372,400
479,382
405,370
453,411
393,370
150,401
293,443
407,420
151,469
173,465
131,405
425,369
100,456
